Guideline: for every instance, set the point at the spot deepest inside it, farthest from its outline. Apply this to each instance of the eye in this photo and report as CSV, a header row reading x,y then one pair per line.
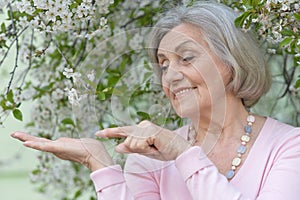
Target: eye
x,y
187,59
164,65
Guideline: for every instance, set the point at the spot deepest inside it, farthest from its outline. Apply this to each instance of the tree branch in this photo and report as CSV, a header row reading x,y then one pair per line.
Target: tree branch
x,y
11,44
131,21
288,77
17,49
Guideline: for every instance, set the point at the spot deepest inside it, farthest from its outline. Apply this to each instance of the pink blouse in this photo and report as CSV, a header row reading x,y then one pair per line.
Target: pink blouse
x,y
270,172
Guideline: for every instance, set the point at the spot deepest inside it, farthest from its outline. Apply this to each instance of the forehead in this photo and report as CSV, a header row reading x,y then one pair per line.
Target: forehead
x,y
184,35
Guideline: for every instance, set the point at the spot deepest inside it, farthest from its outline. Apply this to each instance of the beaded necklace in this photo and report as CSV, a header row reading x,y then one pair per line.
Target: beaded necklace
x,y
241,150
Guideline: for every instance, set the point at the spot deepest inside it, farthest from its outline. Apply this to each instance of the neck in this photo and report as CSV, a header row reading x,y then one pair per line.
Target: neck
x,y
220,124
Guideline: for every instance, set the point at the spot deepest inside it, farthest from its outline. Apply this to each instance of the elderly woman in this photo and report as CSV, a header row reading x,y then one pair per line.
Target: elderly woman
x,y
211,72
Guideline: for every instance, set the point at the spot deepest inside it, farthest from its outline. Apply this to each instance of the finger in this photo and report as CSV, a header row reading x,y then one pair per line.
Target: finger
x,y
114,132
47,146
135,145
26,137
150,152
145,123
122,148
41,146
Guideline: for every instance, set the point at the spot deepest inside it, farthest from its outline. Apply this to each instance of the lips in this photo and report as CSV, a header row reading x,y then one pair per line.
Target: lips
x,y
182,91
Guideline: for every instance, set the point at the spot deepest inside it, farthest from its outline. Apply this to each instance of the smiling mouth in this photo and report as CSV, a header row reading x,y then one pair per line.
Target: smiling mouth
x,y
183,91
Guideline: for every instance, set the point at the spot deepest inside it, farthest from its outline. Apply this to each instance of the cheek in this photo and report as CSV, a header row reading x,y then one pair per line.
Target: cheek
x,y
166,90
165,86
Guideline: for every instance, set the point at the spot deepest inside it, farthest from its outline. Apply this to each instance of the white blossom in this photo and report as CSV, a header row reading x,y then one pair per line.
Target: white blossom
x,y
51,15
91,75
272,51
103,21
4,3
73,96
68,73
2,37
22,6
23,22
40,4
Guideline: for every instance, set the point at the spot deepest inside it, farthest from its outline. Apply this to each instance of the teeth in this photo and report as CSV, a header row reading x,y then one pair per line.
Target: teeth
x,y
183,91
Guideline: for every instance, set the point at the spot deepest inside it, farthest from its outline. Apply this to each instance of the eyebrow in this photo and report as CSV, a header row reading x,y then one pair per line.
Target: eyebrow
x,y
179,47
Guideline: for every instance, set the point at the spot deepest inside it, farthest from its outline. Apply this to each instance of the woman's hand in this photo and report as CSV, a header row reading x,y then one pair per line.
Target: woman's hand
x,y
148,139
86,151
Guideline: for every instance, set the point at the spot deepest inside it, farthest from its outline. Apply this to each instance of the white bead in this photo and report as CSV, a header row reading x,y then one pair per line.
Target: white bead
x,y
251,118
236,161
245,138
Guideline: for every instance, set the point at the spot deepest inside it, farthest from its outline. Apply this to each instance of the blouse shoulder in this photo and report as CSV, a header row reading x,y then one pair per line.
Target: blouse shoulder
x,y
279,130
280,136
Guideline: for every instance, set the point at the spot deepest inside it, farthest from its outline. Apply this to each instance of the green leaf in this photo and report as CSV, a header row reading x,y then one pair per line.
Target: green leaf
x,y
77,194
297,16
239,21
67,121
101,96
30,124
3,28
297,84
113,80
144,115
10,96
123,64
287,32
36,172
285,42
18,114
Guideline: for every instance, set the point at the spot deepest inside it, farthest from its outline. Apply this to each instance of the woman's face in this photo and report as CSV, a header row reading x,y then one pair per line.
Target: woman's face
x,y
193,78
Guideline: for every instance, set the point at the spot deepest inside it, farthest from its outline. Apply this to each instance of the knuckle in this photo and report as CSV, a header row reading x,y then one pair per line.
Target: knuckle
x,y
145,123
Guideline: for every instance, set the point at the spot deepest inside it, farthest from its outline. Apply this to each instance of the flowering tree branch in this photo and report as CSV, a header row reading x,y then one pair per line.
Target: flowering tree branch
x,y
89,70
12,73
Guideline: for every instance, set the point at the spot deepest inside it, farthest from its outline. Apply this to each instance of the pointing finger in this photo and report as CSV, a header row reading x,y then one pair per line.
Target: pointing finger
x,y
119,132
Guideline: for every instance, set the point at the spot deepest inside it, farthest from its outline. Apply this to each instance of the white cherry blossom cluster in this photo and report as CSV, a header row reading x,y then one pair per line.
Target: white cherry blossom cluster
x,y
275,17
65,94
79,87
73,96
69,73
54,16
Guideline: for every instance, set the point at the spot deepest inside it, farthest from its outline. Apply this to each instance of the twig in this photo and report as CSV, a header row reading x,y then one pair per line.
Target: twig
x,y
11,44
131,21
287,77
17,49
80,57
60,52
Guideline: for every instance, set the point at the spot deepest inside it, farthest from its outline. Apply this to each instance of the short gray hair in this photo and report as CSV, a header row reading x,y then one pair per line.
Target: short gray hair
x,y
239,50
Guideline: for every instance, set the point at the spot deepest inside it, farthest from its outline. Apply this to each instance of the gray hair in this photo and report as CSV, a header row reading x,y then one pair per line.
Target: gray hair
x,y
239,50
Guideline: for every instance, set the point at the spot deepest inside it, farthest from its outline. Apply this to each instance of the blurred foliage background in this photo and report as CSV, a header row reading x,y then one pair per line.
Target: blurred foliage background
x,y
81,66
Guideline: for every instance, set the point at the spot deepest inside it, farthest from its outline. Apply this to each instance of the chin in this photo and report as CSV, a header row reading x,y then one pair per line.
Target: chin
x,y
187,113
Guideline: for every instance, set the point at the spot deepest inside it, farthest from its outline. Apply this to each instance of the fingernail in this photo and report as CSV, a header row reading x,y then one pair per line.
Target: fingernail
x,y
26,143
100,134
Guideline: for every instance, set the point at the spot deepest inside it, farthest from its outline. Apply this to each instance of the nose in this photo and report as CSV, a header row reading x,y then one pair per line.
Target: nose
x,y
172,74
